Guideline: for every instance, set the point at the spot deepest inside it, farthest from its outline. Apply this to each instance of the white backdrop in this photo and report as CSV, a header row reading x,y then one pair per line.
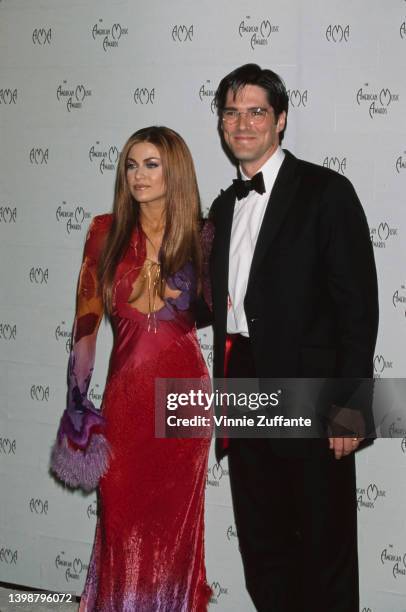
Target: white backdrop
x,y
76,79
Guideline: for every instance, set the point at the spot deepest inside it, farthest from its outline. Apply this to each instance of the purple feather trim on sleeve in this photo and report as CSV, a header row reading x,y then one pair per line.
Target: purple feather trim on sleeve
x,y
81,453
81,468
77,425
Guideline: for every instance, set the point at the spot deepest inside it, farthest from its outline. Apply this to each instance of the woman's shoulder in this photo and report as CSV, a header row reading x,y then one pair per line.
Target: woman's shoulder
x,y
97,232
101,222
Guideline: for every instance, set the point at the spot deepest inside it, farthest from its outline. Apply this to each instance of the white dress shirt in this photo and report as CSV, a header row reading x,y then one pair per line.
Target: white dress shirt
x,y
247,221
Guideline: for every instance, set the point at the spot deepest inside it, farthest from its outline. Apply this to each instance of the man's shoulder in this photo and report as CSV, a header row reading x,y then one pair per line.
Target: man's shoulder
x,y
224,196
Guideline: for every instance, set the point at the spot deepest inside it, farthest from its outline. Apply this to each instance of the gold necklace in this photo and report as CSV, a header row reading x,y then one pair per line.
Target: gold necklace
x,y
152,274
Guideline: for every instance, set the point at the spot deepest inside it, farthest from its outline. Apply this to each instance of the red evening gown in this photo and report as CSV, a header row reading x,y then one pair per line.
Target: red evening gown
x,y
148,554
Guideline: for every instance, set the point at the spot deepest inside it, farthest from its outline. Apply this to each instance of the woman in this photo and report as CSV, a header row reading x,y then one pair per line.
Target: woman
x,y
141,266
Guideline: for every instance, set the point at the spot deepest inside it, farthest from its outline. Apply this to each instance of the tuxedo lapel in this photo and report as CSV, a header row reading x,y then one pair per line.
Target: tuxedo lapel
x,y
280,201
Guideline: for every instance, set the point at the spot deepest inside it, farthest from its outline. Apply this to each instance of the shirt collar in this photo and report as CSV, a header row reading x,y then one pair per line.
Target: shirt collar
x,y
270,169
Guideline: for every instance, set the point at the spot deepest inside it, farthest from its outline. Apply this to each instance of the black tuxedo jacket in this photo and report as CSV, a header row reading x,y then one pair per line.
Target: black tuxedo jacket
x,y
311,302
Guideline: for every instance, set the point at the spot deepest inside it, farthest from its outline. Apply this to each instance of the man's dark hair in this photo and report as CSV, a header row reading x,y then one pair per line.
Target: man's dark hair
x,y
252,74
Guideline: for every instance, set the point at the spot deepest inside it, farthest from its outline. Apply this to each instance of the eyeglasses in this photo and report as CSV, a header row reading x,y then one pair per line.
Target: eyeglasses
x,y
255,116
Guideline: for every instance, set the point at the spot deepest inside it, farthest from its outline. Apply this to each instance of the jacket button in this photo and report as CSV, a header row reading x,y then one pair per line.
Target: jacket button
x,y
254,320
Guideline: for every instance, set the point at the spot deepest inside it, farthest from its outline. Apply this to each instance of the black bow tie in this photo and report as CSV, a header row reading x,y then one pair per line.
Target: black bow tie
x,y
242,188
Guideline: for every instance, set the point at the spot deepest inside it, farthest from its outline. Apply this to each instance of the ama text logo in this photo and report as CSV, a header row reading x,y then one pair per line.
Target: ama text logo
x,y
182,33
8,96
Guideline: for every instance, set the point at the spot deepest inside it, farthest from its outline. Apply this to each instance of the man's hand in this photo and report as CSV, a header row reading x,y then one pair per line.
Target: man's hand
x,y
344,446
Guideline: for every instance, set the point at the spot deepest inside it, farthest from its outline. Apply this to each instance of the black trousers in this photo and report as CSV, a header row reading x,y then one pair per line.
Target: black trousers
x,y
296,519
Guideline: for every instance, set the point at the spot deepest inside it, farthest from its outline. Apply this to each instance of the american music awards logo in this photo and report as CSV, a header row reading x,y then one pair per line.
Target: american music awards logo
x,y
39,156
73,96
337,33
8,214
39,393
8,446
62,334
182,33
215,473
377,101
8,331
42,36
397,429
8,96
108,36
95,395
258,33
400,163
218,591
72,217
207,348
367,497
72,568
382,235
38,506
402,30
38,276
8,556
92,510
143,95
231,534
395,560
298,97
206,94
105,158
399,299
336,163
381,365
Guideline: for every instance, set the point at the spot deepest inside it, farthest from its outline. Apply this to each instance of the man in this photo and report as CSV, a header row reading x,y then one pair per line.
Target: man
x,y
294,295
